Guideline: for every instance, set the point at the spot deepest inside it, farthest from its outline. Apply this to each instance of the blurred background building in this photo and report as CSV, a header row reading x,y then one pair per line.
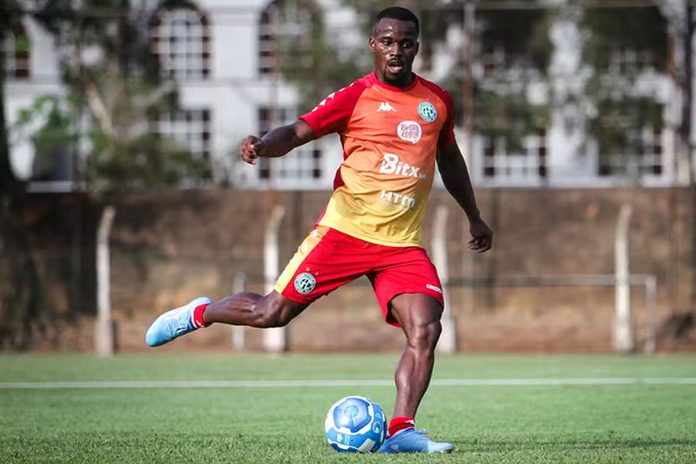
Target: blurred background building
x,y
567,110
560,93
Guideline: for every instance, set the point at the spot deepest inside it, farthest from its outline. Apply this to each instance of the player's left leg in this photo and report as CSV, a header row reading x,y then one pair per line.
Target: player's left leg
x,y
419,317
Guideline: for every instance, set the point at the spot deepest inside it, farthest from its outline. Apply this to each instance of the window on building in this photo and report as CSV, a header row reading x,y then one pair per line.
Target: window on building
x,y
16,50
512,41
189,128
624,61
525,167
304,164
181,40
626,41
286,35
267,42
639,154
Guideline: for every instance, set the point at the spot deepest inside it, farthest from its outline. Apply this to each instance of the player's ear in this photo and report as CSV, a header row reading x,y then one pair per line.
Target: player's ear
x,y
417,48
371,43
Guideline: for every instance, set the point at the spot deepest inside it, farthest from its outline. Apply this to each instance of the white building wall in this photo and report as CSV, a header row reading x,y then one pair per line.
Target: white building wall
x,y
21,93
234,91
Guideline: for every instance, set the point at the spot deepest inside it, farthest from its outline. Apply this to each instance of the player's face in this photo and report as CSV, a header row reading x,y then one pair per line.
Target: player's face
x,y
394,44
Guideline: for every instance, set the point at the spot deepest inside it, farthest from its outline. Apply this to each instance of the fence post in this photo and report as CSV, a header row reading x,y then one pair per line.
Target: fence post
x,y
274,339
238,331
448,338
650,302
104,329
623,340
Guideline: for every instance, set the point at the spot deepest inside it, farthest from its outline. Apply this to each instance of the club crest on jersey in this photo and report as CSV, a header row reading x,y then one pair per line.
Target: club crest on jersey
x,y
427,111
305,283
410,131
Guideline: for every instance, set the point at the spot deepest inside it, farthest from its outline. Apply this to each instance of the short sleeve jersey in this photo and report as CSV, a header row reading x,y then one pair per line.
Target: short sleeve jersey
x,y
390,137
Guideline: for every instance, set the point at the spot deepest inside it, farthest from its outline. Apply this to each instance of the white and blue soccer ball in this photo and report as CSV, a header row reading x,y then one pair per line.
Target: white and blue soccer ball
x,y
355,424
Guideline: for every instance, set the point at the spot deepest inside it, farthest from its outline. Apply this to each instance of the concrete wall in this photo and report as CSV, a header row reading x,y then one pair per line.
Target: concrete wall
x,y
170,246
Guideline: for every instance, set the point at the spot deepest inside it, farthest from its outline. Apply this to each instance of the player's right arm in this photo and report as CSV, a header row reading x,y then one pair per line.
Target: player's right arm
x,y
331,115
276,142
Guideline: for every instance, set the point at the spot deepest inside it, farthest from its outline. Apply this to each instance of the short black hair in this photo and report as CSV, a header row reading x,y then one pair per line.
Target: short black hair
x,y
400,13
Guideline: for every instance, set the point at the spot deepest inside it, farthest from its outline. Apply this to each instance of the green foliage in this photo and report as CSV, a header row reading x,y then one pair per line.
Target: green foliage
x,y
522,34
118,97
621,45
312,60
22,43
509,117
609,31
126,154
56,134
143,161
617,119
501,107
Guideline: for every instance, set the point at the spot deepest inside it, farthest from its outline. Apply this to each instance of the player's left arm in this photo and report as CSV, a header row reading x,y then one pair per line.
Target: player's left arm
x,y
455,176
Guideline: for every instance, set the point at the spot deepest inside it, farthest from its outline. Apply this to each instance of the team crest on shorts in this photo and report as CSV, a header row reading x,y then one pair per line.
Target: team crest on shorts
x,y
427,111
305,283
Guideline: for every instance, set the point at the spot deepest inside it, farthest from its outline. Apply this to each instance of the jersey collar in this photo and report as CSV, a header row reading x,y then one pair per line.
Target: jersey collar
x,y
375,80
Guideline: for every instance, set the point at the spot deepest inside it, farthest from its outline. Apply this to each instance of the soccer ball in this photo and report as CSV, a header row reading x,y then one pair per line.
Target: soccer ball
x,y
355,424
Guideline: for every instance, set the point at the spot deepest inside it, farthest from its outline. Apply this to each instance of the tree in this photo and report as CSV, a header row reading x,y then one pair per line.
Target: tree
x,y
621,47
114,95
307,54
519,36
9,183
114,100
18,278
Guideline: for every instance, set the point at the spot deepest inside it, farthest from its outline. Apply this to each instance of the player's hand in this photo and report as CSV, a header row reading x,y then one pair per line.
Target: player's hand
x,y
482,236
252,147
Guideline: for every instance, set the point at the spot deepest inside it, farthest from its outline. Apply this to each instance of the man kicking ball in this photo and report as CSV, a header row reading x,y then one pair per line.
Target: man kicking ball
x,y
395,127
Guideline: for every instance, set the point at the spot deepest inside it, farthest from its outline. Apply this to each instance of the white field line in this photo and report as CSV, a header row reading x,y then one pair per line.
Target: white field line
x,y
583,381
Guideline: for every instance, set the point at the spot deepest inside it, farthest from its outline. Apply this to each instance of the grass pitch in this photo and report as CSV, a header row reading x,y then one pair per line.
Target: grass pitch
x,y
496,409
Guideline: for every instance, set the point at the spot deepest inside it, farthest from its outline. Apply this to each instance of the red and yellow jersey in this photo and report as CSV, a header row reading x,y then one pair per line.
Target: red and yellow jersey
x,y
390,137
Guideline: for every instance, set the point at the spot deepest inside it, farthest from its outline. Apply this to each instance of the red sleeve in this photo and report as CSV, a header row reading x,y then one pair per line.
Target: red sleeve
x,y
333,113
447,131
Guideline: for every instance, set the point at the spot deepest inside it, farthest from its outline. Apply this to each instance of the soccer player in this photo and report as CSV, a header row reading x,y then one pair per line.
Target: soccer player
x,y
394,126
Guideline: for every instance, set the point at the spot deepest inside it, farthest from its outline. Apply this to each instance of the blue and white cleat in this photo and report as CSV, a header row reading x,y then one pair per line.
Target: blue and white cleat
x,y
174,323
412,441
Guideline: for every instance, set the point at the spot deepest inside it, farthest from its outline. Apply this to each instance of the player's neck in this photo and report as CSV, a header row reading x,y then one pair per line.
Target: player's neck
x,y
403,84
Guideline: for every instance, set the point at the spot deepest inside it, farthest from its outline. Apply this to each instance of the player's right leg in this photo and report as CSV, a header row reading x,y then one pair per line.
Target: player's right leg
x,y
253,310
325,260
243,308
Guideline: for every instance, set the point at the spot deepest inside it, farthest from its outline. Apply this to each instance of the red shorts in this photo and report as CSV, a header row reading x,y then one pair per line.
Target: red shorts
x,y
328,259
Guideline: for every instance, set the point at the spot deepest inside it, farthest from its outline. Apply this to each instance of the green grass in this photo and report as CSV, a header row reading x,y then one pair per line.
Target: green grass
x,y
491,424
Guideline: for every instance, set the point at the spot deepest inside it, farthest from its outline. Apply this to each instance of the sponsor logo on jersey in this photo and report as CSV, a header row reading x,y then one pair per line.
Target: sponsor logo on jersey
x,y
427,111
305,283
409,131
397,199
391,164
385,106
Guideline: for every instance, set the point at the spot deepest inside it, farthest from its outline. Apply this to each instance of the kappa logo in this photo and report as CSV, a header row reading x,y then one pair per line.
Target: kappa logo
x,y
385,106
410,131
305,283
